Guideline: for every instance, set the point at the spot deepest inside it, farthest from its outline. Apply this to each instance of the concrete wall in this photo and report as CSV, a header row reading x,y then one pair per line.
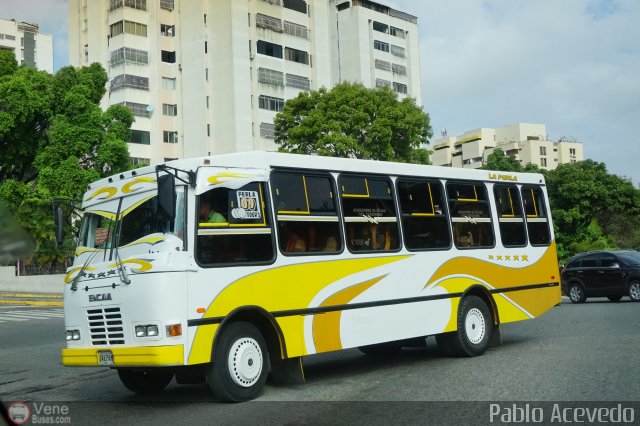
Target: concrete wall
x,y
29,284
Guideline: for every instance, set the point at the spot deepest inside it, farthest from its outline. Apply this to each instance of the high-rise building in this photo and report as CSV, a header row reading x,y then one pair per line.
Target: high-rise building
x,y
31,47
529,143
208,76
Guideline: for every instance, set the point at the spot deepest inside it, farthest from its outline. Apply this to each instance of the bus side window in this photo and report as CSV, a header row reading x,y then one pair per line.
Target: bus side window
x,y
536,214
234,227
511,222
424,220
370,214
307,217
470,215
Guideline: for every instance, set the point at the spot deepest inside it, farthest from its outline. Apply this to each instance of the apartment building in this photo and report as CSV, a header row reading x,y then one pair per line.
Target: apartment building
x,y
31,47
208,76
529,143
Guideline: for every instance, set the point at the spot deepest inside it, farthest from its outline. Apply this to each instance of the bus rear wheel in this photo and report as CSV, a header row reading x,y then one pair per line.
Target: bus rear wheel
x,y
145,381
475,325
241,364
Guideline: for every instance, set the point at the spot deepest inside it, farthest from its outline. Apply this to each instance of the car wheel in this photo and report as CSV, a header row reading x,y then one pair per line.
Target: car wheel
x,y
615,298
145,381
634,290
241,363
576,293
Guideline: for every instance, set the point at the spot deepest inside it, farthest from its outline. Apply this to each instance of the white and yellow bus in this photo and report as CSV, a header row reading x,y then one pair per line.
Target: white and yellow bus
x,y
233,267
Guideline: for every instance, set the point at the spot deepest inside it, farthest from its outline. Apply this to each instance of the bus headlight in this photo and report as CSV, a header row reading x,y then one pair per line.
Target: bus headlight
x,y
150,330
73,335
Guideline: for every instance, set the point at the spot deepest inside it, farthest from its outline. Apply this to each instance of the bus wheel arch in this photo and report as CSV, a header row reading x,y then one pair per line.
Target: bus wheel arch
x,y
483,293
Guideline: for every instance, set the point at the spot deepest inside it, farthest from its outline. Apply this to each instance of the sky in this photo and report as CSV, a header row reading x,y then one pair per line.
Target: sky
x,y
573,65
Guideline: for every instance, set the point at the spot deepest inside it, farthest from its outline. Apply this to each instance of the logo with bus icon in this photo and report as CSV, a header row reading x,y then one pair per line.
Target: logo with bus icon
x,y
19,413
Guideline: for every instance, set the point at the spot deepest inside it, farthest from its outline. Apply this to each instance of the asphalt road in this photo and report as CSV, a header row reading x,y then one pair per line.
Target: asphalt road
x,y
577,353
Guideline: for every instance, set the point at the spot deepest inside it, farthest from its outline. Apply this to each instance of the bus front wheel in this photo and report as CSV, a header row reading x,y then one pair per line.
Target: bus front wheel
x,y
144,381
240,369
475,325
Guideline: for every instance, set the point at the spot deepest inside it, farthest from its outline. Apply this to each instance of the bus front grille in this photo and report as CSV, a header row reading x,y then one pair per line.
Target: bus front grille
x,y
105,326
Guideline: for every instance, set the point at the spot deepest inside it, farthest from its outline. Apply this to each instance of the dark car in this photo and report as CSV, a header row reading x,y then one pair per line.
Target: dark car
x,y
610,274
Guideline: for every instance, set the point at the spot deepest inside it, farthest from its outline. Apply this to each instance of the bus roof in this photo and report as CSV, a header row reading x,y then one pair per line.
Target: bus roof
x,y
267,160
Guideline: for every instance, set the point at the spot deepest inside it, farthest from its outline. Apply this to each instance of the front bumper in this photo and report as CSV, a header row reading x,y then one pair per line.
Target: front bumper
x,y
140,356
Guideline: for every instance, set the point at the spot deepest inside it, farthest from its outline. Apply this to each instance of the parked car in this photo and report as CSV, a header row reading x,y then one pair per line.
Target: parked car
x,y
611,274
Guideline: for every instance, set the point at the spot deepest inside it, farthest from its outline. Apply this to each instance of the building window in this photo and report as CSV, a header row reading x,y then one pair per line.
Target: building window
x,y
206,47
128,27
397,32
269,49
168,83
167,4
127,80
297,5
296,55
168,30
140,137
130,56
400,88
381,45
533,138
207,101
399,69
296,30
268,22
397,51
267,130
543,150
206,74
382,83
267,76
383,65
136,109
543,162
168,57
380,27
169,136
170,110
298,81
572,152
137,161
208,129
343,6
270,103
136,4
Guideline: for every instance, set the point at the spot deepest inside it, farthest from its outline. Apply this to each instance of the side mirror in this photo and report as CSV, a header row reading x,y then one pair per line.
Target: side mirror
x,y
58,220
615,265
166,197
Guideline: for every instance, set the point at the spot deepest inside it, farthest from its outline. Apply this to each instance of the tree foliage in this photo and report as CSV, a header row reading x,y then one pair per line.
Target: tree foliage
x,y
356,122
54,140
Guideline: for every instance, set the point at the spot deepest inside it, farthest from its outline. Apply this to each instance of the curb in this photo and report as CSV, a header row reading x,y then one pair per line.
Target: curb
x,y
31,299
51,303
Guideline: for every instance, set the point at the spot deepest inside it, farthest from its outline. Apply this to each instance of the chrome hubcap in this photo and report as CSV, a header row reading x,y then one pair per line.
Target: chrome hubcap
x,y
634,291
575,293
474,325
245,362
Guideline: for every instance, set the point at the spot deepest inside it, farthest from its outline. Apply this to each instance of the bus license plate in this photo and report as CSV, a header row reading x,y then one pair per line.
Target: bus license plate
x,y
105,358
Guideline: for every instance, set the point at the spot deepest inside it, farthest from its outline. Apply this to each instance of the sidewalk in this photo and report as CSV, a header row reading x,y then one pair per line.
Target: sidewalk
x,y
31,299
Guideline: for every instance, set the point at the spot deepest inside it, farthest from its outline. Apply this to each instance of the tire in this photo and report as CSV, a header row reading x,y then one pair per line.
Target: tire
x,y
241,364
615,298
145,381
576,293
634,290
387,348
475,325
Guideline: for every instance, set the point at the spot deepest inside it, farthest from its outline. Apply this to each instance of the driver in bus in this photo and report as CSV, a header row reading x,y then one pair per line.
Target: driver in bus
x,y
208,214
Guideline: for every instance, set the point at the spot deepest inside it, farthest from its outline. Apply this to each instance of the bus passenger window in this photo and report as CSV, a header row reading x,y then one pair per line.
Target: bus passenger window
x,y
509,207
470,215
369,213
536,214
307,218
234,226
424,221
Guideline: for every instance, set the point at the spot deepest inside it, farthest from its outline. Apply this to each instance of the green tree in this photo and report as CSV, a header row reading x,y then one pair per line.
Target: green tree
x,y
499,161
587,202
353,121
54,140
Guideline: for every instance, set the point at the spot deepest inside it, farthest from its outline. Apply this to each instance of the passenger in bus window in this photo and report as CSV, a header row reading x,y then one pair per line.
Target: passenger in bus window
x,y
464,238
208,213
